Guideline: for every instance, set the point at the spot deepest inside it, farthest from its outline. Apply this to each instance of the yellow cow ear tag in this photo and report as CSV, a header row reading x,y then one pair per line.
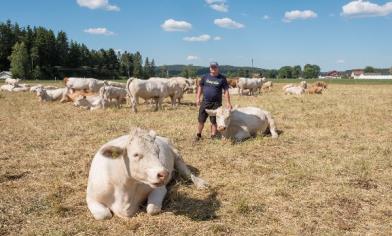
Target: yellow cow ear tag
x,y
116,153
112,152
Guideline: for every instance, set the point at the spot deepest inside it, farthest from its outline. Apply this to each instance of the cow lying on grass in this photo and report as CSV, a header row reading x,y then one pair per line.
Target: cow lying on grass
x,y
239,124
51,95
130,169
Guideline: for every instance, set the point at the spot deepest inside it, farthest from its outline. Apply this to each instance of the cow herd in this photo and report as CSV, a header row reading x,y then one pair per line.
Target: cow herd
x,y
134,168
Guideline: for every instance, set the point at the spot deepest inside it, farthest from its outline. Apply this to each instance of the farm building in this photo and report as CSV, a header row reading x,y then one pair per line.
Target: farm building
x,y
360,74
330,75
5,75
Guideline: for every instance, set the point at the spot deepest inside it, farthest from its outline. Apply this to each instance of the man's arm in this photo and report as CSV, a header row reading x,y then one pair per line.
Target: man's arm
x,y
198,95
227,97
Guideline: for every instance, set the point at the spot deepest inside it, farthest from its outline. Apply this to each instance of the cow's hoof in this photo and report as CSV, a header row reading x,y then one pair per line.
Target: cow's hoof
x,y
153,209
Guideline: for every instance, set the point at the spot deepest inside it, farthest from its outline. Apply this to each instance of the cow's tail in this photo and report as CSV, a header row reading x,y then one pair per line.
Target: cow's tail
x,y
184,171
271,124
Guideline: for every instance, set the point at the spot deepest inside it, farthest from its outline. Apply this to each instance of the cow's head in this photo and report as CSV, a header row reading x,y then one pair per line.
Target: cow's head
x,y
222,117
141,158
81,101
40,91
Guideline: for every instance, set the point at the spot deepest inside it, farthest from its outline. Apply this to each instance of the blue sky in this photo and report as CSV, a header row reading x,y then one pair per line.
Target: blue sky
x,y
273,33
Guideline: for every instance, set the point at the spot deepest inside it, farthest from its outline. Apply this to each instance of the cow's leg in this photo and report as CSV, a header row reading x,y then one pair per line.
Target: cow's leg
x,y
173,101
155,199
99,211
160,101
134,102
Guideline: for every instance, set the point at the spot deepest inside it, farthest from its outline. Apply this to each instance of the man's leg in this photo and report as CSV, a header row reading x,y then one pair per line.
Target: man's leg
x,y
213,129
201,119
200,128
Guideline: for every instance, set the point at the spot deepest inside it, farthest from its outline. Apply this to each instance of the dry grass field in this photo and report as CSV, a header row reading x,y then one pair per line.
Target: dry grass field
x,y
329,172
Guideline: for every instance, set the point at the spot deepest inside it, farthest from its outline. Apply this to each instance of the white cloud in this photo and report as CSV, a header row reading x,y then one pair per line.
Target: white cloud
x,y
215,1
228,23
299,15
99,31
98,4
173,25
201,38
217,38
266,17
340,61
192,58
366,8
222,7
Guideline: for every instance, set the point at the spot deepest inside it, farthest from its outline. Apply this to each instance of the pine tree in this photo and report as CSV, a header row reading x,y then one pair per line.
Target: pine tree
x,y
137,65
19,61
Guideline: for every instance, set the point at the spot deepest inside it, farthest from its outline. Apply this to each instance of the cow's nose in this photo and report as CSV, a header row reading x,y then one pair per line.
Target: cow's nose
x,y
221,128
162,175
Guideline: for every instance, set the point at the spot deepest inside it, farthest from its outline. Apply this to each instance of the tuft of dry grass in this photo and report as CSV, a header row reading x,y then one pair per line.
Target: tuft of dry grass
x,y
329,172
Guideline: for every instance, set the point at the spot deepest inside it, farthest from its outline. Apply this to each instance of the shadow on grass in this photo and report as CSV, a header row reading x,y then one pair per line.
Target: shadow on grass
x,y
197,209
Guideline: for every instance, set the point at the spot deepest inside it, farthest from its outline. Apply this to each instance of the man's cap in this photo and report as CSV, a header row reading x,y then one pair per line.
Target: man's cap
x,y
214,63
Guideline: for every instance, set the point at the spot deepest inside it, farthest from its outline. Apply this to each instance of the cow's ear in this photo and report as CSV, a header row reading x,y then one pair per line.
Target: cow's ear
x,y
112,152
211,112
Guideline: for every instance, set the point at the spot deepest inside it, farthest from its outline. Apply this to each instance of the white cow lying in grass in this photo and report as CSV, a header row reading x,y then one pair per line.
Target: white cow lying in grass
x,y
7,87
146,89
242,123
91,102
130,169
51,95
296,90
13,82
90,84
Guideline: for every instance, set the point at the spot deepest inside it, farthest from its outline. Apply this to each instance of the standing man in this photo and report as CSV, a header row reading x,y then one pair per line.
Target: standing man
x,y
211,85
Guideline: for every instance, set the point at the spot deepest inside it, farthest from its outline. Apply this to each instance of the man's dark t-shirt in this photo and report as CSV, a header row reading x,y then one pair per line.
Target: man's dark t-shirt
x,y
212,87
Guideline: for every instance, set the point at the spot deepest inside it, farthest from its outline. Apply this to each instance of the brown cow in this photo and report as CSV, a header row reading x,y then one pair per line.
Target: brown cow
x,y
71,96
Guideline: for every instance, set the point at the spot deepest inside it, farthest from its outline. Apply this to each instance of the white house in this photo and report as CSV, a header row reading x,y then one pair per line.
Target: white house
x,y
5,75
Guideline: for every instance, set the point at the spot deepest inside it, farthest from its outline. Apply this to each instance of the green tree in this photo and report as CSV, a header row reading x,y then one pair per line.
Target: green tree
x,y
62,48
146,69
311,71
296,72
19,61
137,65
7,41
285,72
369,69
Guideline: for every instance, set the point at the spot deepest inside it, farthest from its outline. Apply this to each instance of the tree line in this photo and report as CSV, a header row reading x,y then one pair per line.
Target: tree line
x,y
37,53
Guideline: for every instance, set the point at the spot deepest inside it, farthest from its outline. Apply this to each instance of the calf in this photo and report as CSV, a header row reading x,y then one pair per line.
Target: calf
x,y
110,92
51,95
131,169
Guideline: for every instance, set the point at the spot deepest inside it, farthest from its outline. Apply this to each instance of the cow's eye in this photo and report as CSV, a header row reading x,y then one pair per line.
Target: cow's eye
x,y
138,156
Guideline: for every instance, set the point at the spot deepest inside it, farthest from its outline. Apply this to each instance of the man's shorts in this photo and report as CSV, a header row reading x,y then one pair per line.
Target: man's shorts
x,y
203,114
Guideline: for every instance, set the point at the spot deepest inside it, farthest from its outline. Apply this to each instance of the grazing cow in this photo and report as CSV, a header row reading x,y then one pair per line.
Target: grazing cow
x,y
110,92
146,89
249,83
93,85
51,95
242,123
131,169
267,86
13,82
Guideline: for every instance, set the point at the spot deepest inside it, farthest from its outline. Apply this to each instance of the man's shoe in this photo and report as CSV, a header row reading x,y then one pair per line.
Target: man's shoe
x,y
197,138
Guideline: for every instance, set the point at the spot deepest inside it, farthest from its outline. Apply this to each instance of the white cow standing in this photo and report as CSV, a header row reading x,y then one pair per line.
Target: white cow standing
x,y
146,89
249,83
90,84
242,123
130,169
